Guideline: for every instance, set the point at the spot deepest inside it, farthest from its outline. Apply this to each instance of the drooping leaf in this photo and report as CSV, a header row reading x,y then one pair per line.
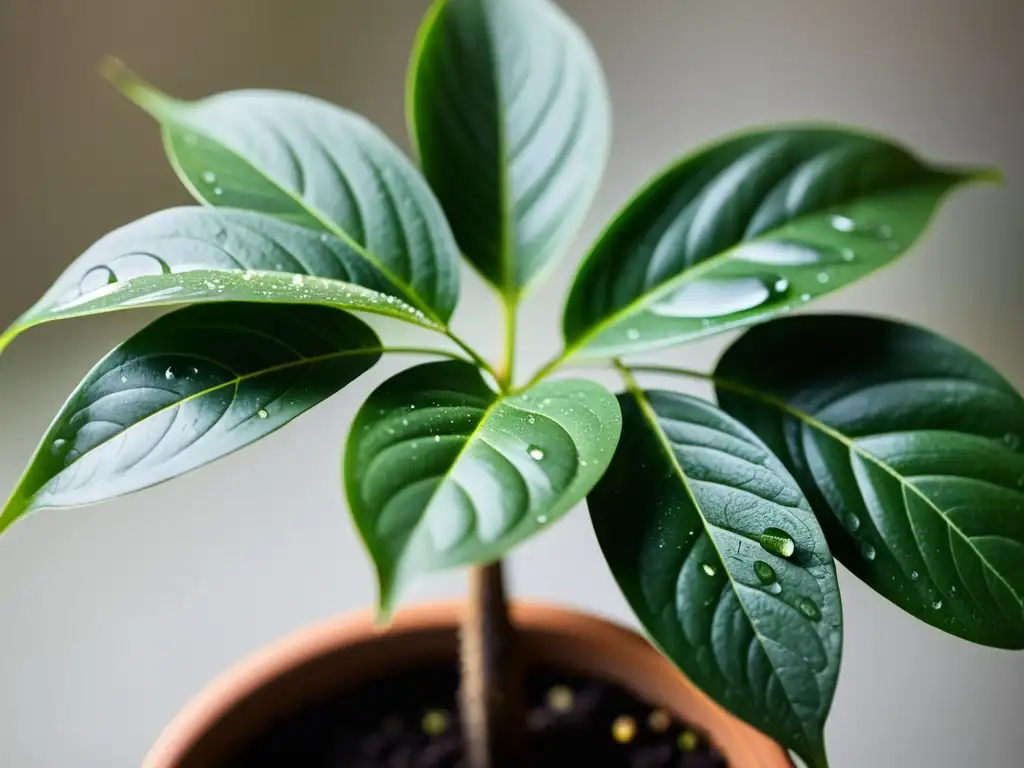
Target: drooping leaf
x,y
308,162
754,620
510,113
441,471
908,447
750,227
191,255
191,387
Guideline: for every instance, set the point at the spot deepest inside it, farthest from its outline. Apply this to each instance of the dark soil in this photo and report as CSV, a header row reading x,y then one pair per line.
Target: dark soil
x,y
410,721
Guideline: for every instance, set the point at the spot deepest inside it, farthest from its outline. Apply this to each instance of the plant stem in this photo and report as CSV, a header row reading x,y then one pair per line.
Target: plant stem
x,y
508,364
492,698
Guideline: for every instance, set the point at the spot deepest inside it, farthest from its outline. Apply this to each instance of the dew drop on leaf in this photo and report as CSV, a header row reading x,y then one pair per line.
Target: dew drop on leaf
x,y
842,224
937,605
823,277
632,334
709,569
169,373
868,551
778,542
535,453
914,575
765,573
847,254
59,446
809,608
1012,441
218,191
209,177
262,413
805,297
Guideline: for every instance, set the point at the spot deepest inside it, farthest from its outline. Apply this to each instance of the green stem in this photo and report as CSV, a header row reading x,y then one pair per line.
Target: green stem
x,y
688,372
507,370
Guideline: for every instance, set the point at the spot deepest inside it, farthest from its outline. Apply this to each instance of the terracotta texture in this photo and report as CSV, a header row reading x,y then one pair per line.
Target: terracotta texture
x,y
339,653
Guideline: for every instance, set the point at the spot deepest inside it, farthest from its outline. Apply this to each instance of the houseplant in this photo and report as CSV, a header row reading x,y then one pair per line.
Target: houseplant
x,y
734,235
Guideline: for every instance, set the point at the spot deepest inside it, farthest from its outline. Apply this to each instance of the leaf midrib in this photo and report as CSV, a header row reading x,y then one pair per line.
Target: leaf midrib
x,y
852,446
652,421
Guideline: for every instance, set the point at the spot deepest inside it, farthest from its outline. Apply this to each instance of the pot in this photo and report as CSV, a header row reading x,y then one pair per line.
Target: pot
x,y
340,653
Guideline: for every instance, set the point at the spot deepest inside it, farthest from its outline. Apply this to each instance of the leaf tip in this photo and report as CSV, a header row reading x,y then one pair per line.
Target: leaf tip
x,y
990,175
130,85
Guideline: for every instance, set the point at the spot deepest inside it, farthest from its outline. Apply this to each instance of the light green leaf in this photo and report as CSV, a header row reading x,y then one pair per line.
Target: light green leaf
x,y
193,386
190,255
509,110
682,516
753,226
441,471
311,163
909,449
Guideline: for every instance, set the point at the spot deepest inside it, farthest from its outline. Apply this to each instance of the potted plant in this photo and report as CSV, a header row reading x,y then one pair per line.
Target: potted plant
x,y
879,442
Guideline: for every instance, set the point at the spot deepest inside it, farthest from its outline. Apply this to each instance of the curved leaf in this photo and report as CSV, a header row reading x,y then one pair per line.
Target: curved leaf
x,y
191,387
681,516
509,110
440,471
908,447
311,163
189,255
750,227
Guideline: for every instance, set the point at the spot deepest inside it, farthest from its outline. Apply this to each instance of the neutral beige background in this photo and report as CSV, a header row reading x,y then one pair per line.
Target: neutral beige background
x,y
110,617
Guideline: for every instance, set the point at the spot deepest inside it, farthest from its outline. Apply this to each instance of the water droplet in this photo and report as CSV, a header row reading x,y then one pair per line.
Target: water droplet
x,y
781,285
847,254
209,177
805,297
169,374
542,519
218,191
1012,441
262,413
716,297
777,254
809,608
296,279
937,605
914,575
884,231
535,453
778,542
823,277
96,279
437,438
709,569
852,522
765,573
868,551
842,223
59,446
632,334
124,379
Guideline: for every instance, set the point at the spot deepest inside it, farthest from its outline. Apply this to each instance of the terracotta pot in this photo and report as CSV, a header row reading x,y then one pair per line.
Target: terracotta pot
x,y
343,652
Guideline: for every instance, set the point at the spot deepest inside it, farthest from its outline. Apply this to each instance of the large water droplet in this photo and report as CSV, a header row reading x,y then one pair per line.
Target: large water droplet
x,y
537,454
716,297
852,522
709,569
59,446
169,374
809,608
262,413
842,223
777,254
765,573
868,551
96,278
778,542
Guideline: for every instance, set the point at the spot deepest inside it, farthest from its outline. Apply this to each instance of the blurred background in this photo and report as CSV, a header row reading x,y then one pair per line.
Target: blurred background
x,y
111,617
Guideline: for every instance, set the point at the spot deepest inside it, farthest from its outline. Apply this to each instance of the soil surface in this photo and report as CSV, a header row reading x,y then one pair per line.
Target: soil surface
x,y
411,721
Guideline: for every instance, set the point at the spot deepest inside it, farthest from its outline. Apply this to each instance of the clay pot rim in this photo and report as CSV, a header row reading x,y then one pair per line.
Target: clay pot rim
x,y
246,678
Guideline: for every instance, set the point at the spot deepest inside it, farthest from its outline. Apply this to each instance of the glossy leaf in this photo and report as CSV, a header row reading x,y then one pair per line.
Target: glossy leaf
x,y
441,471
681,516
191,255
311,163
510,112
193,386
908,447
753,226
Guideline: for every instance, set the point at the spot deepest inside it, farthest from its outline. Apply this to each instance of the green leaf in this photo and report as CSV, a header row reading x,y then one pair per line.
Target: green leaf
x,y
441,471
753,226
191,387
908,447
190,255
311,163
509,110
681,516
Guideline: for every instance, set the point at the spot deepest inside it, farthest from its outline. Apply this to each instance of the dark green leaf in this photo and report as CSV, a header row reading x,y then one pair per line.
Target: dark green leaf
x,y
751,227
680,517
510,112
308,162
441,471
908,447
191,255
193,386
